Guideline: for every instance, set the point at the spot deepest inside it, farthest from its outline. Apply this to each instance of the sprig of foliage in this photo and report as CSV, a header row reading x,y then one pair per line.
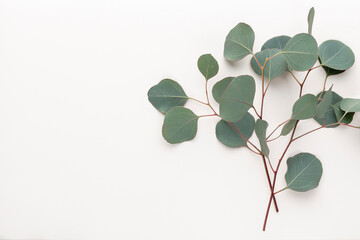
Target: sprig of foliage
x,y
278,56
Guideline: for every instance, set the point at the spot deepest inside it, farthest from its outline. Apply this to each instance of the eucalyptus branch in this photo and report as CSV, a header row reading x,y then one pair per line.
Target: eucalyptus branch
x,y
235,96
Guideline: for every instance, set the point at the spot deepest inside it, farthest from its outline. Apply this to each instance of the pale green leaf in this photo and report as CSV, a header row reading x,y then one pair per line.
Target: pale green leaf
x,y
350,105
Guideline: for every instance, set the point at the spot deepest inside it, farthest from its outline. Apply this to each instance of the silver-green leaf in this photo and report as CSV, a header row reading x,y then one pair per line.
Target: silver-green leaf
x,y
336,55
166,95
180,125
301,52
304,172
238,98
239,42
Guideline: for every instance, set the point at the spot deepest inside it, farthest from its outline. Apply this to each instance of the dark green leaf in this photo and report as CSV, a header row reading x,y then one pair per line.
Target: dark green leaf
x,y
311,20
350,105
230,137
238,98
166,95
208,66
239,42
304,172
274,67
324,103
278,42
301,52
336,55
304,108
260,130
219,88
180,125
288,127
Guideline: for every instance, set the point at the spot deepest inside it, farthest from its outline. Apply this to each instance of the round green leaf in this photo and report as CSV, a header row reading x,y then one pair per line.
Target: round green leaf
x,y
330,116
239,42
180,125
301,52
208,66
350,105
278,42
166,95
336,55
304,108
274,67
219,88
238,98
304,172
230,137
260,130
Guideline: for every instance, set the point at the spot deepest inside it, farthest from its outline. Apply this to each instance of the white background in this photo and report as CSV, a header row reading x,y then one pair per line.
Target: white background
x,y
81,151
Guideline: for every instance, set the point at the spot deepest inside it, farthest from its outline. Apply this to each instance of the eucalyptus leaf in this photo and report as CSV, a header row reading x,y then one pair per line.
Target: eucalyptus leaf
x,y
336,55
274,67
288,127
219,88
260,130
311,20
180,125
239,42
350,105
166,95
304,172
278,42
330,71
340,113
324,104
304,107
238,98
301,52
208,66
230,137
330,116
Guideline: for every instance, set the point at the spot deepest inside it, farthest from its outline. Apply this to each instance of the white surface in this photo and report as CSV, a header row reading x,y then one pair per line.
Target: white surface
x,y
81,152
